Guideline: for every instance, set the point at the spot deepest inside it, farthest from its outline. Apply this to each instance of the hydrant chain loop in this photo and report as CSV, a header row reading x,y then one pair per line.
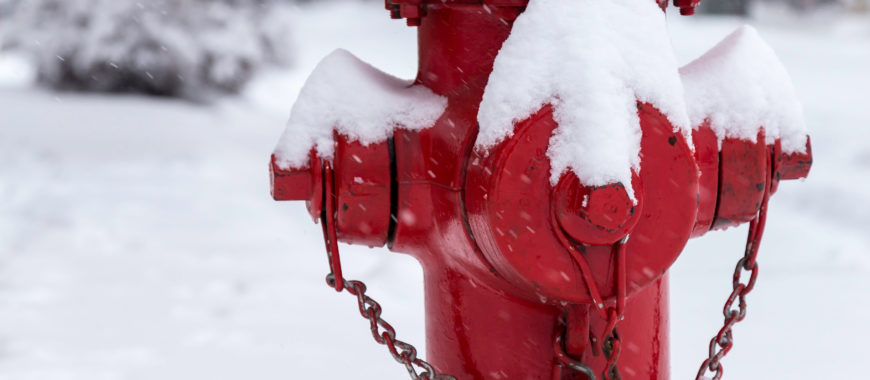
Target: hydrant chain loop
x,y
708,363
382,331
753,275
729,311
612,342
564,358
612,347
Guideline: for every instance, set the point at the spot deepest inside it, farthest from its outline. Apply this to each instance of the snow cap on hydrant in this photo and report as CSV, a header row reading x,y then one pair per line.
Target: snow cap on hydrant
x,y
546,167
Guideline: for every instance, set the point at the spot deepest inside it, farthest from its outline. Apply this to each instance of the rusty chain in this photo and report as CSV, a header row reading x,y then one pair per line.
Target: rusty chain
x,y
722,343
569,362
612,344
383,332
611,347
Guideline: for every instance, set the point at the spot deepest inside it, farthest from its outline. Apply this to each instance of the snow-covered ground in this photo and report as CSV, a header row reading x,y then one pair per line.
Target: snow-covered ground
x,y
138,239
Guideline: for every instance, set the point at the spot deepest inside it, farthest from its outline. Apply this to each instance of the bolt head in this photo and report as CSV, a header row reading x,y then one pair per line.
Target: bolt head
x,y
595,215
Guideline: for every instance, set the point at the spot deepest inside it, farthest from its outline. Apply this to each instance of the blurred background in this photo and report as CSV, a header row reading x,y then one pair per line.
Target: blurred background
x,y
138,239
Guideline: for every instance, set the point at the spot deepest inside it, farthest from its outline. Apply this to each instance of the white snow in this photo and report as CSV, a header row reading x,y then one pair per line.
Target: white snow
x,y
570,55
357,100
741,86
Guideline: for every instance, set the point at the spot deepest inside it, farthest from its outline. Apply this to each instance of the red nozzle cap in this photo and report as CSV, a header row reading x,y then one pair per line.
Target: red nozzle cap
x,y
290,185
795,165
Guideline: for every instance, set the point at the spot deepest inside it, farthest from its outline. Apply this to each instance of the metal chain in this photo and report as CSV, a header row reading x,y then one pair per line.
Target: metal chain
x,y
382,331
567,361
722,343
612,344
612,347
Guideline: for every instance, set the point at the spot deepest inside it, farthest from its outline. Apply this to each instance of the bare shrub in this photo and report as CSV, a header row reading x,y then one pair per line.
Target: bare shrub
x,y
184,48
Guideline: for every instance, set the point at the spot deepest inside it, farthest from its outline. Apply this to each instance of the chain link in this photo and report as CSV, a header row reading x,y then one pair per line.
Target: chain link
x,y
384,333
734,310
611,347
569,362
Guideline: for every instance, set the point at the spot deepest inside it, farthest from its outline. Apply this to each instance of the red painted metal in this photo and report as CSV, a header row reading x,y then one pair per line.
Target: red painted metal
x,y
791,166
596,215
524,280
707,157
329,232
291,185
734,173
363,190
302,184
743,174
509,219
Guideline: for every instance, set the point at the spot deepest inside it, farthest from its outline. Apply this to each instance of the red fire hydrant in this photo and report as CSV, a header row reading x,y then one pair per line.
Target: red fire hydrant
x,y
526,278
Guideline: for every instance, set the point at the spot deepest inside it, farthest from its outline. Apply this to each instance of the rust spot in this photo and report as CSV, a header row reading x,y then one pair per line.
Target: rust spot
x,y
672,140
721,222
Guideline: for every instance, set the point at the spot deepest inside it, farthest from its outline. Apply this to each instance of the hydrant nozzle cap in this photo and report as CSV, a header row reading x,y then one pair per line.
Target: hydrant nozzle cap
x,y
795,165
290,184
